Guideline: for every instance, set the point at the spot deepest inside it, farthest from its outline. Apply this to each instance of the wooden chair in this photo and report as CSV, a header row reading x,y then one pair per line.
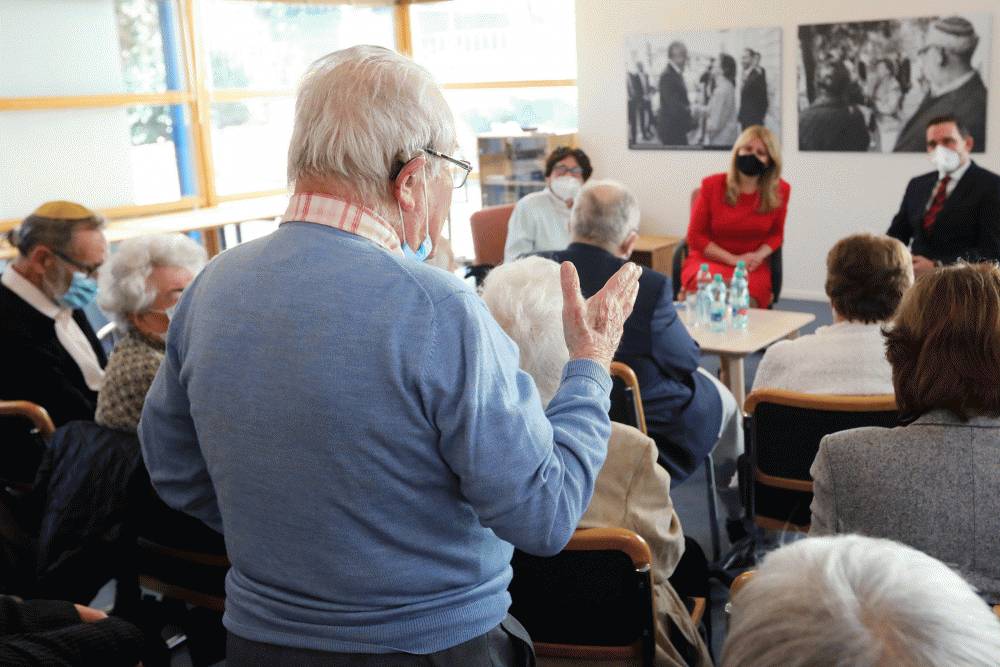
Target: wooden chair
x,y
22,457
785,431
36,414
203,574
626,391
593,601
489,236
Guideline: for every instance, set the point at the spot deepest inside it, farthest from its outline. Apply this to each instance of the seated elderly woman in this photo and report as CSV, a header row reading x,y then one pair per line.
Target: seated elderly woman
x,y
631,491
139,287
866,276
860,601
935,483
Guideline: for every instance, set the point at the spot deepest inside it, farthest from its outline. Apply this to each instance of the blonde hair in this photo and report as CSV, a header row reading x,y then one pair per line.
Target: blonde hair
x,y
770,198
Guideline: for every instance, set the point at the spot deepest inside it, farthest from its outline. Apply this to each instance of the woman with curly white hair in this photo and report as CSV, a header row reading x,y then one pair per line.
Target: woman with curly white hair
x,y
139,288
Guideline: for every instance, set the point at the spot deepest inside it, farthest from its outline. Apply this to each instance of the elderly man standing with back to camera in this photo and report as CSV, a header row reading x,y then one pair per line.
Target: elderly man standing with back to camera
x,y
345,414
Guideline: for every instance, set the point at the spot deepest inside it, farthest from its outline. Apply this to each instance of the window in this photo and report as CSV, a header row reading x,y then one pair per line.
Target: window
x,y
257,51
505,67
94,107
142,106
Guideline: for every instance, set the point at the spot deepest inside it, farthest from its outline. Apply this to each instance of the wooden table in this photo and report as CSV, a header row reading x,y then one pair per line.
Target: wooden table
x,y
656,252
207,220
732,346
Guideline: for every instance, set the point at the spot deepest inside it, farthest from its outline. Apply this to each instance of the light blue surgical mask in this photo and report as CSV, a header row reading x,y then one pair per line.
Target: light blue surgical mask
x,y
426,246
81,292
422,252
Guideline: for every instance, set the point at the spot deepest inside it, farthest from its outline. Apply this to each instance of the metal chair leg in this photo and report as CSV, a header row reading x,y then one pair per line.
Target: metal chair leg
x,y
713,506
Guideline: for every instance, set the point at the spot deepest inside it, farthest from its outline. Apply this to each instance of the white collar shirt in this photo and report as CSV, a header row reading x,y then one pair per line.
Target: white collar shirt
x,y
68,332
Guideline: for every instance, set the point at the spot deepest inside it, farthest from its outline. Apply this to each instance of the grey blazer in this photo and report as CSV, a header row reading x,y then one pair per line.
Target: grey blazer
x,y
934,484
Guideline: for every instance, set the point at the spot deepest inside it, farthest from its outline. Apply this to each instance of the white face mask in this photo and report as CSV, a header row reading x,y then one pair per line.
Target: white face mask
x,y
565,187
945,159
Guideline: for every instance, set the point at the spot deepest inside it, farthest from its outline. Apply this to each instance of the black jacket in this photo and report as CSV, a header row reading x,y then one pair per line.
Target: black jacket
x,y
45,632
967,227
753,99
674,121
38,369
682,406
967,103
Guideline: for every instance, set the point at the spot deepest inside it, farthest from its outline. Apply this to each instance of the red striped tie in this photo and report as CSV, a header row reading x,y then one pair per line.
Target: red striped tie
x,y
936,204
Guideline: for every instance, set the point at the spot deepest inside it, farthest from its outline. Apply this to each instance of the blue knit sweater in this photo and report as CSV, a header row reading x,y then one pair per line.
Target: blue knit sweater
x,y
357,426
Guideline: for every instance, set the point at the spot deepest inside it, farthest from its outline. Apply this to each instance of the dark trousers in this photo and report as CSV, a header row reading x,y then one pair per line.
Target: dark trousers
x,y
507,645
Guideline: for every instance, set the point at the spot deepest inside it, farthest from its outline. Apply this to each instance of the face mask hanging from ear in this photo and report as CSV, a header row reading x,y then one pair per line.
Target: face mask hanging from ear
x,y
424,250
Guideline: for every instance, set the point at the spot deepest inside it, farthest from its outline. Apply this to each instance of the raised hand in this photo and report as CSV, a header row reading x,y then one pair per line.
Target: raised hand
x,y
593,328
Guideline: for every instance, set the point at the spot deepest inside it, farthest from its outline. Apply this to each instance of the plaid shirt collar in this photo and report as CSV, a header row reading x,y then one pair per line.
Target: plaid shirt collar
x,y
341,214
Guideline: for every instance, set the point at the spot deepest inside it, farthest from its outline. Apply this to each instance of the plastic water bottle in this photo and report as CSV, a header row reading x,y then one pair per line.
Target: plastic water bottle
x,y
717,304
739,300
703,280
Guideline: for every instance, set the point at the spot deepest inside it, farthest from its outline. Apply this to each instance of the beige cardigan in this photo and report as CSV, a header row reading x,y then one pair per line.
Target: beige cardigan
x,y
633,492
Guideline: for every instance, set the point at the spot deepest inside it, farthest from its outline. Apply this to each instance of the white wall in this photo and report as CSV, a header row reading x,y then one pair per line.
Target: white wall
x,y
833,194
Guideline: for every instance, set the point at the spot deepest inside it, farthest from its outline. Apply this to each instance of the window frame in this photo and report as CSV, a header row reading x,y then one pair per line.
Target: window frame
x,y
198,99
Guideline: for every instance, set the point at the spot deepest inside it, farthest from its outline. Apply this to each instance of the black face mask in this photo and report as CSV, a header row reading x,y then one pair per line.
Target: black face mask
x,y
750,165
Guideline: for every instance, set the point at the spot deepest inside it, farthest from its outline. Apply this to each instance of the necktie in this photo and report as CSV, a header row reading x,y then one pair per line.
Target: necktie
x,y
937,203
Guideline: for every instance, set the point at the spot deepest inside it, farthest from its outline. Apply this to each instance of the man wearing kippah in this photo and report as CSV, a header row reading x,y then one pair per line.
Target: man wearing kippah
x,y
51,355
956,89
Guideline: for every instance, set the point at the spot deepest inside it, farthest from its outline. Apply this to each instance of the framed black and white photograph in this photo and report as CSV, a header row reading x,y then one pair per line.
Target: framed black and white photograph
x,y
700,89
874,85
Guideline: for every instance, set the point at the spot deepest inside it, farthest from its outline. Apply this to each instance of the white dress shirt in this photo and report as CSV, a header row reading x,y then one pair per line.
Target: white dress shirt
x,y
844,358
540,222
68,332
956,176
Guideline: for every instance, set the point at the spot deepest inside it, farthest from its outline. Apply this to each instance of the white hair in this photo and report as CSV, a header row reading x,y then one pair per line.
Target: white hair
x,y
525,298
858,601
604,211
123,289
361,113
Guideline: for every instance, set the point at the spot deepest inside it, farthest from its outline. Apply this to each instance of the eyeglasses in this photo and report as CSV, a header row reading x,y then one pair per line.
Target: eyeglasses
x,y
562,170
89,270
460,169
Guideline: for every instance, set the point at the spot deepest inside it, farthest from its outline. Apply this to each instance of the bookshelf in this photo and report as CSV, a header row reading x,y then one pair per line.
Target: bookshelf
x,y
511,166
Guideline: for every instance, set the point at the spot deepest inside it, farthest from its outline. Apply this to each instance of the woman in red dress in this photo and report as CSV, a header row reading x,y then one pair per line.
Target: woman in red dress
x,y
740,215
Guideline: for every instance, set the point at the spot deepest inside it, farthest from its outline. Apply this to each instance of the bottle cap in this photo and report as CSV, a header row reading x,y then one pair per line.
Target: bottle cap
x,y
717,278
704,267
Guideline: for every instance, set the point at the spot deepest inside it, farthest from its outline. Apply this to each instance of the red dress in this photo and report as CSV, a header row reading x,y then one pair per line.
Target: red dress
x,y
738,229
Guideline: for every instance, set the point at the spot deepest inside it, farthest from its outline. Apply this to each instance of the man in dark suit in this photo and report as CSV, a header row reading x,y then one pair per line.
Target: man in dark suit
x,y
51,355
675,120
753,94
956,88
688,412
952,213
635,98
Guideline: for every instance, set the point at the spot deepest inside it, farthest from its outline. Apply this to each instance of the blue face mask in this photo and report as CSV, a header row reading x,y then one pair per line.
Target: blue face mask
x,y
81,292
421,253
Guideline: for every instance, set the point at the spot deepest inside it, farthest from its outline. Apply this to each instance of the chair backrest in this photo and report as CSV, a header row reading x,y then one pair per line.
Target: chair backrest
x,y
489,233
593,600
36,414
626,399
785,431
25,427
